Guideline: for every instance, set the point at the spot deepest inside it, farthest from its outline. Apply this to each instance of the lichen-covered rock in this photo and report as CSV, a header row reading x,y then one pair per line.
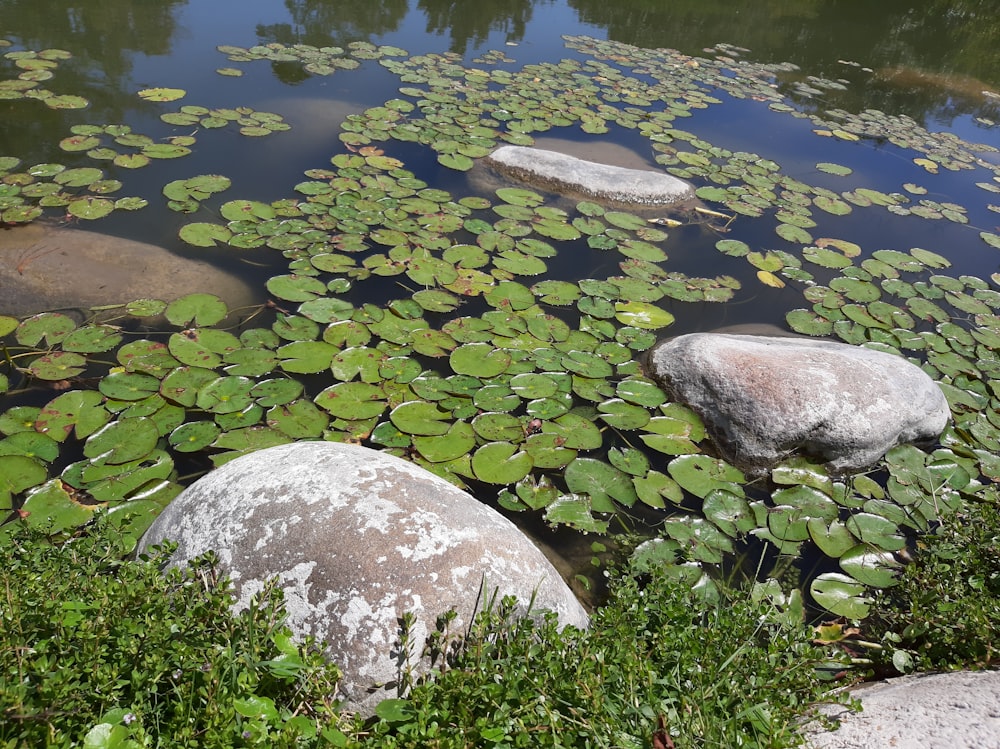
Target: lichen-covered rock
x,y
567,175
764,398
356,539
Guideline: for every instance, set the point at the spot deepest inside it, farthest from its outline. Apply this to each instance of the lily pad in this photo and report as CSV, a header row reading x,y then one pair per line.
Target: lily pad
x,y
841,595
122,441
161,94
500,463
600,481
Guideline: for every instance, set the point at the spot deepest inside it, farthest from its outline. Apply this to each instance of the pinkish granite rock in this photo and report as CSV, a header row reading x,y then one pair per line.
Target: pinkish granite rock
x,y
764,398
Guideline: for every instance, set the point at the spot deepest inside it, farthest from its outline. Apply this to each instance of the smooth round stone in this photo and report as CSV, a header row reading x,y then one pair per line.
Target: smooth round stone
x,y
357,538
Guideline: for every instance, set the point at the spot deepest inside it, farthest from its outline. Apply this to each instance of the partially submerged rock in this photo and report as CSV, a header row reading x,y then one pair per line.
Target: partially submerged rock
x,y
764,398
357,538
563,174
44,267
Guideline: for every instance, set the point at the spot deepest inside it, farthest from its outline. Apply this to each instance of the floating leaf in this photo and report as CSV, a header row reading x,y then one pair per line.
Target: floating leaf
x,y
51,509
17,473
601,482
500,463
836,169
841,595
122,441
161,94
459,440
352,400
421,418
199,308
89,207
701,474
479,359
642,315
204,235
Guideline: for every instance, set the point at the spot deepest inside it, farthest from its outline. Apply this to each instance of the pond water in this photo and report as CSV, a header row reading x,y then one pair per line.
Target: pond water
x,y
822,135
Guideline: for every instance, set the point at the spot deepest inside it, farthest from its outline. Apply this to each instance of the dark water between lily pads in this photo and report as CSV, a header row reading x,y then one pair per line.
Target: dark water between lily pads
x,y
821,134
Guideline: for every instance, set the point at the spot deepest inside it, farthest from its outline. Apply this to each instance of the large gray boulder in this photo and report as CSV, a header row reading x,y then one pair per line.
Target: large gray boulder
x,y
567,175
44,267
357,538
764,398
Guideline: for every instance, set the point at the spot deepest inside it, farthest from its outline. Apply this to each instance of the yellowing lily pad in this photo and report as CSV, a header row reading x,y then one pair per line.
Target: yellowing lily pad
x,y
162,94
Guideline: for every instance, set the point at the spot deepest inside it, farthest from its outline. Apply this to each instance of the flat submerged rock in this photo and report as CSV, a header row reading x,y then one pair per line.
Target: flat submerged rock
x,y
46,268
563,174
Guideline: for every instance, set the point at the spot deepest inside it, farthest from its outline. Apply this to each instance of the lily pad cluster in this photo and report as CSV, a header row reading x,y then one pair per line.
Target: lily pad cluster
x,y
36,67
26,190
123,147
251,123
314,60
466,332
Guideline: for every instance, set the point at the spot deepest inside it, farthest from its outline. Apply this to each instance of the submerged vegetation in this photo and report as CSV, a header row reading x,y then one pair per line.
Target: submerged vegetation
x,y
494,335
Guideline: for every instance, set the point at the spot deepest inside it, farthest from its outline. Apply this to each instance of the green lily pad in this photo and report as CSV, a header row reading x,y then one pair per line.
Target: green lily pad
x,y
161,94
51,509
226,395
729,512
79,410
642,315
701,474
59,365
876,531
17,473
841,595
600,481
89,207
870,566
352,400
479,359
576,512
122,441
201,309
181,386
53,327
204,235
306,357
300,419
835,169
276,392
519,196
459,440
621,415
500,463
833,538
421,418
495,426
194,436
129,386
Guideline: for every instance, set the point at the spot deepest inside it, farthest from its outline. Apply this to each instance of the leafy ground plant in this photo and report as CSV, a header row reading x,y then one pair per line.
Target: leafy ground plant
x,y
945,611
661,666
101,653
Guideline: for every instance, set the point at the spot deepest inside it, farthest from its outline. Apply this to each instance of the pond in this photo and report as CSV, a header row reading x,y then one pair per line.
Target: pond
x,y
327,156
